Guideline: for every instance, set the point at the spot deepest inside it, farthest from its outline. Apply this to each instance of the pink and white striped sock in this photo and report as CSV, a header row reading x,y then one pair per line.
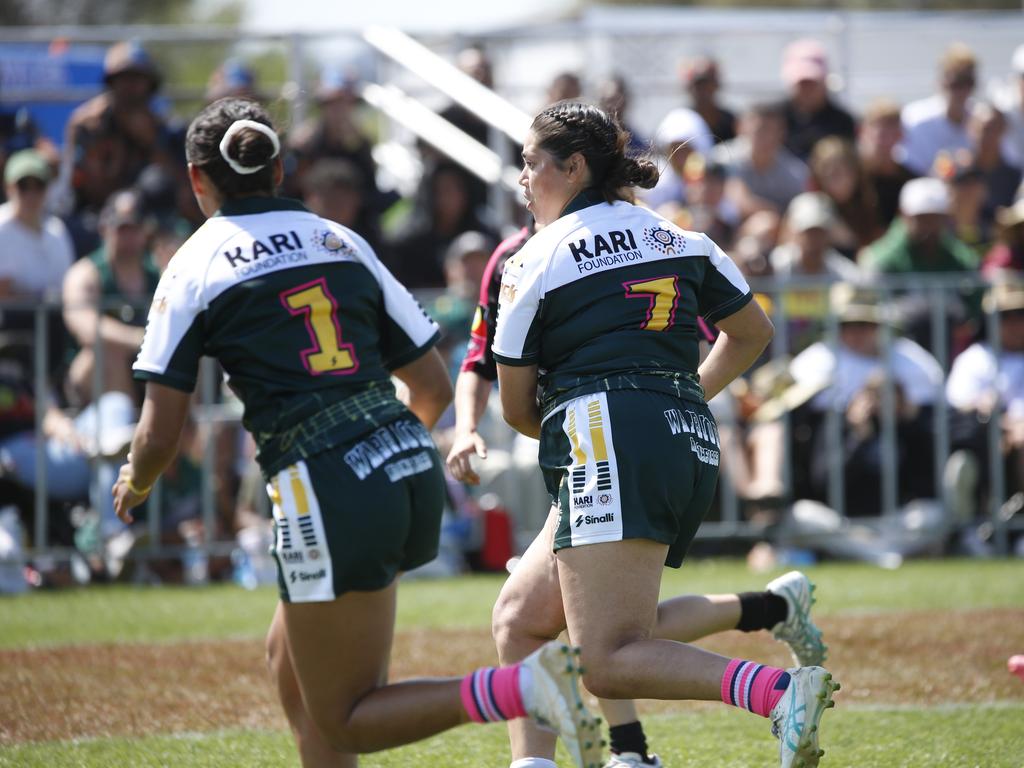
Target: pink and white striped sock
x,y
493,693
754,687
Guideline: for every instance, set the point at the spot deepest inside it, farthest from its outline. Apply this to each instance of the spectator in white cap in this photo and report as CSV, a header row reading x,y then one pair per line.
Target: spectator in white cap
x,y
764,175
920,240
681,133
806,253
1012,105
939,122
808,220
811,114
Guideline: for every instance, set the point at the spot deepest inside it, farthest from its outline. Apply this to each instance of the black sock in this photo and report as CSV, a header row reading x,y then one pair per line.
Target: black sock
x,y
761,610
629,738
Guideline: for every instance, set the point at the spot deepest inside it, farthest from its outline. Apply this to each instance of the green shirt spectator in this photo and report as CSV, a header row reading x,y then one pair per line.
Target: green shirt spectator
x,y
920,240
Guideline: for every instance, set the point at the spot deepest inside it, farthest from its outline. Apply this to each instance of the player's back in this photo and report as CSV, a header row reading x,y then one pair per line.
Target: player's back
x,y
608,297
299,312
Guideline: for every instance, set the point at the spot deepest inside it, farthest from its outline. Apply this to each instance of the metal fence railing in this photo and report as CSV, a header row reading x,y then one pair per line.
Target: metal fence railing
x,y
211,408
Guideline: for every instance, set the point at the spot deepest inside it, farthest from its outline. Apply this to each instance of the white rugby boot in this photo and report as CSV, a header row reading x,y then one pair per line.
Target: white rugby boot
x,y
552,698
633,760
798,631
795,719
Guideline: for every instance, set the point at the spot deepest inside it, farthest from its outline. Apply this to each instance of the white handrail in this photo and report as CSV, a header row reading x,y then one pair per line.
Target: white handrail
x,y
449,79
435,130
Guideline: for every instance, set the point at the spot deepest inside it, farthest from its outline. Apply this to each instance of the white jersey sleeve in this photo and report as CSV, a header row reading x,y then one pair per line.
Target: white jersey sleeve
x,y
173,342
408,331
517,334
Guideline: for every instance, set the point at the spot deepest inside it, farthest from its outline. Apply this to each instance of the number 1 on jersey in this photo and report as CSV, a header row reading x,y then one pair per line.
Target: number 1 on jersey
x,y
663,294
328,354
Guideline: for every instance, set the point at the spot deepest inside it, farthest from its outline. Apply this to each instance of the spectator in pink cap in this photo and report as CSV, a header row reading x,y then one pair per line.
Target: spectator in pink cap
x,y
811,114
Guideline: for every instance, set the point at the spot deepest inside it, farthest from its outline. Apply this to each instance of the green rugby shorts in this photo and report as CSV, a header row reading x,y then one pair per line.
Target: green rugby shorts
x,y
630,464
353,516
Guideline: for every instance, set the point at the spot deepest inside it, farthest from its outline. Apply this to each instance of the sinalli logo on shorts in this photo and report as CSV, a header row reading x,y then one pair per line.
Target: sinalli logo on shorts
x,y
607,517
664,240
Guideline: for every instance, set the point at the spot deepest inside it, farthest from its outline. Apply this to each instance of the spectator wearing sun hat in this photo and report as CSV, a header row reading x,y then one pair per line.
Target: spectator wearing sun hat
x,y
811,113
114,135
35,250
986,382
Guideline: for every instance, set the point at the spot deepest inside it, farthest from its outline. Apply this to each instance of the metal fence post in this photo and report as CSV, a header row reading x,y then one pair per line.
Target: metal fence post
x,y
996,470
42,345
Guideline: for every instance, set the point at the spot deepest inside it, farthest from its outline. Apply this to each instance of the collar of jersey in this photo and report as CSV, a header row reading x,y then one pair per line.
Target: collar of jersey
x,y
588,197
245,206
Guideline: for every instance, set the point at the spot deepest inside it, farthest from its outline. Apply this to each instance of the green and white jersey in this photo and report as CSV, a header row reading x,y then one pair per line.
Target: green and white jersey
x,y
304,319
607,297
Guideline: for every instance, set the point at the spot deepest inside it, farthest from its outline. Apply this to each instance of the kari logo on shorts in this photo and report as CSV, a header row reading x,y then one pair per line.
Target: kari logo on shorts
x,y
664,240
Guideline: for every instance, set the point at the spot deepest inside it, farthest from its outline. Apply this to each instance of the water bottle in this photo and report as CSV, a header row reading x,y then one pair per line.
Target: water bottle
x,y
194,562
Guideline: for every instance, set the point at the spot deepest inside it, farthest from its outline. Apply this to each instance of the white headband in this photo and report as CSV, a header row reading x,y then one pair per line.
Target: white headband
x,y
229,134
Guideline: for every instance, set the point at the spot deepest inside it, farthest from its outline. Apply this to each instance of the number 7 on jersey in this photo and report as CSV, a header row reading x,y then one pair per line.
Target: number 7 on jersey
x,y
663,295
320,311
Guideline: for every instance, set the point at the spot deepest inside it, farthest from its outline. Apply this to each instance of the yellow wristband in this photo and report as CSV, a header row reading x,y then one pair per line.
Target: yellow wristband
x,y
136,491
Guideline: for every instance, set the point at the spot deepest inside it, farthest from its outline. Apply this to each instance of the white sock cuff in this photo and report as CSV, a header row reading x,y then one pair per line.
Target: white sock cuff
x,y
534,762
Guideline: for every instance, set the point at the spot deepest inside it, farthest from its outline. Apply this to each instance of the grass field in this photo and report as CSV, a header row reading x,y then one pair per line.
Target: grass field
x,y
173,677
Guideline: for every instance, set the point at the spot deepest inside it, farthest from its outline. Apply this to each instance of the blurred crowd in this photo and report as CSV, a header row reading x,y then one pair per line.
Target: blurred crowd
x,y
812,201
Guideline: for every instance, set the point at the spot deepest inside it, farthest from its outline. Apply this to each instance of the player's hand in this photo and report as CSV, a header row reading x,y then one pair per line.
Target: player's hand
x,y
463,446
124,497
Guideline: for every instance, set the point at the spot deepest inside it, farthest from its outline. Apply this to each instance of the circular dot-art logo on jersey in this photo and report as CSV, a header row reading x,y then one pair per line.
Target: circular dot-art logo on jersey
x,y
327,241
664,240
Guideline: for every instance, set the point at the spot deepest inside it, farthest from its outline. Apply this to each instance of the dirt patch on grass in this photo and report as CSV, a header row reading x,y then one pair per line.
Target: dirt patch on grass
x,y
921,658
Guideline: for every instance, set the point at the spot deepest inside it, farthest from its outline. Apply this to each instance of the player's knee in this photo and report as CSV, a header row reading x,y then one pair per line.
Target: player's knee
x,y
518,628
604,682
335,729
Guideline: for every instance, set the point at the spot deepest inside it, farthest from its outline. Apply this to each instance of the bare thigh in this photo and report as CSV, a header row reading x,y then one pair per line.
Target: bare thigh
x,y
528,611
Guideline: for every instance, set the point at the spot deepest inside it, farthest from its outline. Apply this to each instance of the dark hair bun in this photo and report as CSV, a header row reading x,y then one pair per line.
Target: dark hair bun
x,y
250,148
636,172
